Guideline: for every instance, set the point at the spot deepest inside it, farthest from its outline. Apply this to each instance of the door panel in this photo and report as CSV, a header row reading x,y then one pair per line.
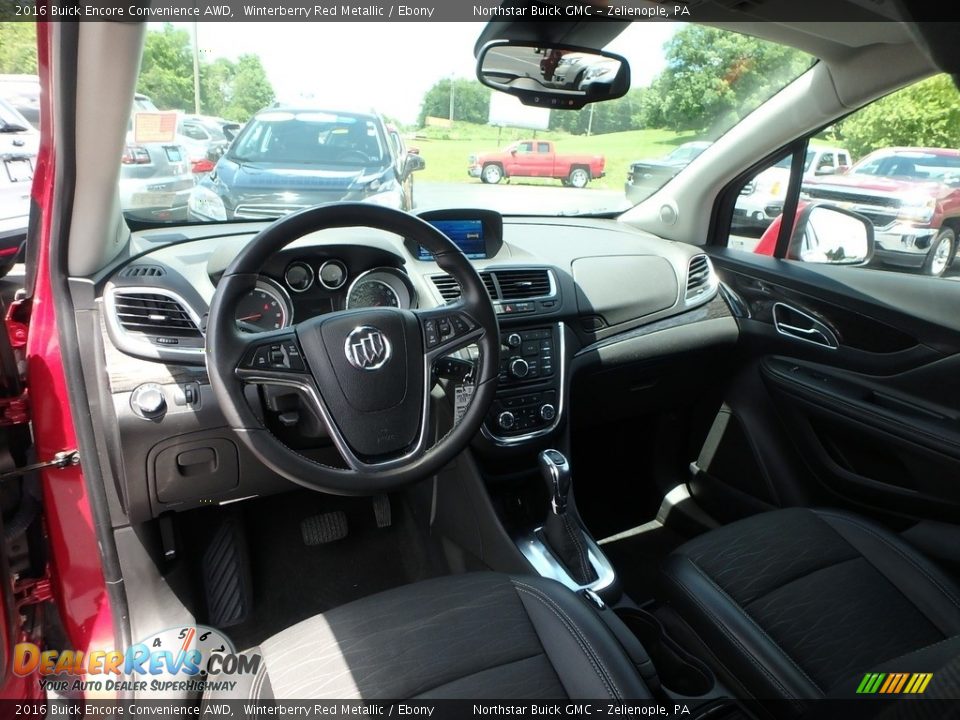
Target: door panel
x,y
865,385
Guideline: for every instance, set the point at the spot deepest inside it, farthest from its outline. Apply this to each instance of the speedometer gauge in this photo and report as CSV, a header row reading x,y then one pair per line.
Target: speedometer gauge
x,y
381,287
373,293
266,307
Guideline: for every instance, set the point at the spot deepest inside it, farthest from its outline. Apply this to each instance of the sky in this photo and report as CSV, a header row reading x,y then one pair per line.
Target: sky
x,y
357,65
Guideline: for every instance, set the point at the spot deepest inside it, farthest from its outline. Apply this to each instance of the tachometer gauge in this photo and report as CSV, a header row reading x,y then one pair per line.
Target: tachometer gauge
x,y
381,287
266,307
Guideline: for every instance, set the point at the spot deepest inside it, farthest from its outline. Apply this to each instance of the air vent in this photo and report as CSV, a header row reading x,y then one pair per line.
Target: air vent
x,y
142,271
153,314
523,284
450,288
701,280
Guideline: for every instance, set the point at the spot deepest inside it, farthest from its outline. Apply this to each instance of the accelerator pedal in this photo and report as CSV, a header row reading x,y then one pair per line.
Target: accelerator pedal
x,y
381,510
226,575
324,528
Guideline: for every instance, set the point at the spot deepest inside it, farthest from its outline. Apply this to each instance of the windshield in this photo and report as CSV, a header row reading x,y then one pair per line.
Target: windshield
x,y
913,165
419,131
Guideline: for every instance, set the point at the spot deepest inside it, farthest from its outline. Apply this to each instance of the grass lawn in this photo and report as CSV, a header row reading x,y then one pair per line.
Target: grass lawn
x,y
446,149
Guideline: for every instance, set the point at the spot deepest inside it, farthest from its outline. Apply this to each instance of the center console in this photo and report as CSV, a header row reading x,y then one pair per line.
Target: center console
x,y
529,400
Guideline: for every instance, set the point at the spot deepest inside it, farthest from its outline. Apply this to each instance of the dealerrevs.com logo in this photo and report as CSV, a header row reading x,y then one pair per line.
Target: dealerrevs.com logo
x,y
894,683
185,659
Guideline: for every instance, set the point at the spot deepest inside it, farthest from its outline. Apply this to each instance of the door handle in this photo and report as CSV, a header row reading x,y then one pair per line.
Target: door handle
x,y
812,330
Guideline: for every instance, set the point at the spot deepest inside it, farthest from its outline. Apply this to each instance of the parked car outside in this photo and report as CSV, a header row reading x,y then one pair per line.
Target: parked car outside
x,y
155,177
646,176
536,158
408,161
206,139
912,196
761,199
290,158
23,93
19,144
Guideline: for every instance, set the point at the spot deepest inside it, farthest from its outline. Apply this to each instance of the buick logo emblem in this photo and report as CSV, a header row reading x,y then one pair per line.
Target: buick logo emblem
x,y
366,348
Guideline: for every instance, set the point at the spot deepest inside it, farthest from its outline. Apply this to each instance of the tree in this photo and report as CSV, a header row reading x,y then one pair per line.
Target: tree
x,y
715,77
166,70
234,90
471,101
624,113
926,114
18,48
249,89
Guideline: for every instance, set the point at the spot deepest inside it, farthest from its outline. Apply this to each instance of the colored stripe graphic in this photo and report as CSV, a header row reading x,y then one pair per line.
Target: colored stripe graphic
x,y
894,683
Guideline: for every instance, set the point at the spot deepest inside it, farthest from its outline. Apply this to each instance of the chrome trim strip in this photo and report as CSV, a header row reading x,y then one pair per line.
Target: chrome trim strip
x,y
517,439
546,564
818,328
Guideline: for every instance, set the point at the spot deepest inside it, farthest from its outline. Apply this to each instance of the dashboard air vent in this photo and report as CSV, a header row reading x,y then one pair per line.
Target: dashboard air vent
x,y
701,280
450,288
523,284
142,271
154,314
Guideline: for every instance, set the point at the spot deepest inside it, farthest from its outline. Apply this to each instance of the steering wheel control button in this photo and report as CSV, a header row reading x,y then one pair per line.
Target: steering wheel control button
x,y
148,401
367,348
444,328
461,325
283,355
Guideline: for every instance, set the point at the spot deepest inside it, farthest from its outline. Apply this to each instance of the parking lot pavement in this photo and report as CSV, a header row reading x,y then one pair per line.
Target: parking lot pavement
x,y
518,199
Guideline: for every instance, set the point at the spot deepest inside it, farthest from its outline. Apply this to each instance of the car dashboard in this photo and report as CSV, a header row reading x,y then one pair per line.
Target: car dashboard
x,y
572,297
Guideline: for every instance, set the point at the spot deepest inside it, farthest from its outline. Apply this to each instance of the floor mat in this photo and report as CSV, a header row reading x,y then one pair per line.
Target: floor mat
x,y
637,554
293,580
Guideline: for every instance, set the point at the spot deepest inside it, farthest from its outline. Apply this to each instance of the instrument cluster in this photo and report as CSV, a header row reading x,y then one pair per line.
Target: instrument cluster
x,y
309,288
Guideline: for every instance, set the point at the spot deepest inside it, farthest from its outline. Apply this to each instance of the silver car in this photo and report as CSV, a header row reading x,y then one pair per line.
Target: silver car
x,y
19,144
155,177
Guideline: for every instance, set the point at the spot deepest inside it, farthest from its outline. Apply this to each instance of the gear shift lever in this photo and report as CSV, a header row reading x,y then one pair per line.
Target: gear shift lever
x,y
556,473
563,532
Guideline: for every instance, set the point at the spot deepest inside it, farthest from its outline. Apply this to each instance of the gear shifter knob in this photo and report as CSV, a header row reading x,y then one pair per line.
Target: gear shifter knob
x,y
556,474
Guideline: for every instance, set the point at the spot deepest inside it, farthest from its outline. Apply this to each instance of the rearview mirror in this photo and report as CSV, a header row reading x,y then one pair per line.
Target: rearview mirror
x,y
556,76
831,235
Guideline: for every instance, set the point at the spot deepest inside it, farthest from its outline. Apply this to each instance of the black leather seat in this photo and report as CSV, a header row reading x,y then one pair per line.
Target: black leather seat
x,y
798,604
479,635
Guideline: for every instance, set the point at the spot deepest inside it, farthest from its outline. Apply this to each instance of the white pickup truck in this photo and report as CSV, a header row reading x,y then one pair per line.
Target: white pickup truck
x,y
761,199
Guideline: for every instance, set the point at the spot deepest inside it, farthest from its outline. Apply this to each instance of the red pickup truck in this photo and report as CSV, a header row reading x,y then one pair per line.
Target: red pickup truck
x,y
912,197
536,158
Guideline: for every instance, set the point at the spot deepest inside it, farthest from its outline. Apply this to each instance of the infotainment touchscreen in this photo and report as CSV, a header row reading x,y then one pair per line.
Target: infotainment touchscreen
x,y
466,235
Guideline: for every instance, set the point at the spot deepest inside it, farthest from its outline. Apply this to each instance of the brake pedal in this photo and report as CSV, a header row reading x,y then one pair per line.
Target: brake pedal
x,y
226,575
324,528
381,510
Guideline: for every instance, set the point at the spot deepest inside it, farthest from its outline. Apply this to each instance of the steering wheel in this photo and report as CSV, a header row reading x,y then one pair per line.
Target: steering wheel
x,y
365,373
